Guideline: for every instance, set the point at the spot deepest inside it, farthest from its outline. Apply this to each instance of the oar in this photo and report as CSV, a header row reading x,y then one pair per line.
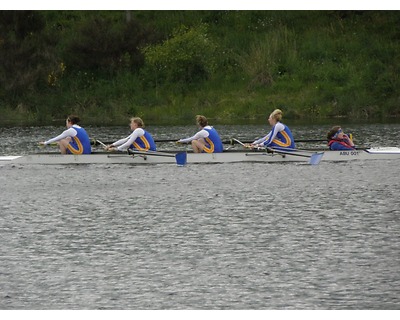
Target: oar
x,y
240,142
53,144
180,157
298,150
233,140
315,158
102,144
230,141
96,141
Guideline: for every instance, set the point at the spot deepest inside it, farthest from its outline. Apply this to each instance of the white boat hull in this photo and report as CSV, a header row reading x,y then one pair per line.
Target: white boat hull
x,y
225,157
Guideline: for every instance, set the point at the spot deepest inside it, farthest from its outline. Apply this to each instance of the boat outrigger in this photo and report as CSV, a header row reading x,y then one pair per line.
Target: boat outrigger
x,y
229,156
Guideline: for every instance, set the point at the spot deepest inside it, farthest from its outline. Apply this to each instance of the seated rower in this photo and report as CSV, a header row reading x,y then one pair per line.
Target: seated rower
x,y
280,137
74,140
206,140
338,140
139,139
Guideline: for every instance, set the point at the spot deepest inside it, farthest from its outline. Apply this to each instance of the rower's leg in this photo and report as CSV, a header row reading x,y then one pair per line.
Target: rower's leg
x,y
63,145
197,146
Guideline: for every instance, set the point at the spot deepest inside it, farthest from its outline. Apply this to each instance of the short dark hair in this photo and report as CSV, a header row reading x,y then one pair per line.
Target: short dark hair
x,y
332,132
73,119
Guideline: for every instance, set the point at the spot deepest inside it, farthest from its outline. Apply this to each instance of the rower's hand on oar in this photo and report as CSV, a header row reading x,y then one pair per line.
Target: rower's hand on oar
x,y
257,147
110,148
253,146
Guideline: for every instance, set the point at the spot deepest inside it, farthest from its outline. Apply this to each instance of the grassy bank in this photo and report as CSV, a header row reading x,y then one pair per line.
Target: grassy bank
x,y
169,66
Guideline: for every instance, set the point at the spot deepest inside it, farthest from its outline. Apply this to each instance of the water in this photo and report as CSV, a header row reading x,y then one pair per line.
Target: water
x,y
220,236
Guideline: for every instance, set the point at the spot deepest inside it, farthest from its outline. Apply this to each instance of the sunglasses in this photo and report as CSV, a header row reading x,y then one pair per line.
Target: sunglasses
x,y
338,132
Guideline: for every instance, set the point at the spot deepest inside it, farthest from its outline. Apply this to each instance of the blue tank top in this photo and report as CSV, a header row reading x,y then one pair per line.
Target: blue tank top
x,y
80,144
144,143
213,142
283,139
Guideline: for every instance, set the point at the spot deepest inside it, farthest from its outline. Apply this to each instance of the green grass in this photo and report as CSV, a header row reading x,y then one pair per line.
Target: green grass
x,y
310,64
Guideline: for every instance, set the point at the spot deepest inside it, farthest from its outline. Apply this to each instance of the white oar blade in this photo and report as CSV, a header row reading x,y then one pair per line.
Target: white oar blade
x,y
316,158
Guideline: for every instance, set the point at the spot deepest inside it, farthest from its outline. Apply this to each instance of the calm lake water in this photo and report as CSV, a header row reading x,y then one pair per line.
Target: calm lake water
x,y
220,236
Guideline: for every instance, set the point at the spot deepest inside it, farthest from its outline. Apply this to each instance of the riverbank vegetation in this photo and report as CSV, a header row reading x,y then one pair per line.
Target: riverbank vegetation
x,y
168,66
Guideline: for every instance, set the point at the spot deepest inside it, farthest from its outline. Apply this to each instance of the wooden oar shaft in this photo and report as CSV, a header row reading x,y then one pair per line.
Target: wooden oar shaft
x,y
102,144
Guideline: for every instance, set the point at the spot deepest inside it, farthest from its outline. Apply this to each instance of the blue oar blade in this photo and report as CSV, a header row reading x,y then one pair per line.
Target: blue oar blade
x,y
316,158
181,158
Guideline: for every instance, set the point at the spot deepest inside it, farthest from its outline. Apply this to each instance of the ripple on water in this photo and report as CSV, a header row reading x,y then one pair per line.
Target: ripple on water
x,y
223,236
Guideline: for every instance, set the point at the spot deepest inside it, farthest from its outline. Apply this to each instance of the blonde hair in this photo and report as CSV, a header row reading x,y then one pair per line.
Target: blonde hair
x,y
277,114
138,121
201,120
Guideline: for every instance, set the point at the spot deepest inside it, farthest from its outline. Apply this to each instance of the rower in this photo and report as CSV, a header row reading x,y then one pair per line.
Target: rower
x,y
139,139
280,137
338,140
207,140
74,140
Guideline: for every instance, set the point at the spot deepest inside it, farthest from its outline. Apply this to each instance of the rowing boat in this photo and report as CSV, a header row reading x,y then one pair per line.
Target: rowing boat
x,y
228,156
